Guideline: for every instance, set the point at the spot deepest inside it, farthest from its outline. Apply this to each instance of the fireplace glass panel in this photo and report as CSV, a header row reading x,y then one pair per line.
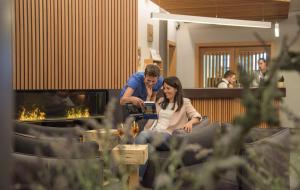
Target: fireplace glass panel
x,y
58,104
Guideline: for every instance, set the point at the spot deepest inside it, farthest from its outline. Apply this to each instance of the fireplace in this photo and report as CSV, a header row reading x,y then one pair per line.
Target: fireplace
x,y
59,105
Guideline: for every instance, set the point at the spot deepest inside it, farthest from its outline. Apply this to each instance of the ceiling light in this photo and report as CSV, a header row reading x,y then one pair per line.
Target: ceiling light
x,y
276,30
210,20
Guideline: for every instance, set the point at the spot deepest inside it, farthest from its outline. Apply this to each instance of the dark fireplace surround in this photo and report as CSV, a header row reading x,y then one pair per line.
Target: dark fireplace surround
x,y
56,103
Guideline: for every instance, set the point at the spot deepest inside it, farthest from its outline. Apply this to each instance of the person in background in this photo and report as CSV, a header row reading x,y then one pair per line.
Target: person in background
x,y
142,86
228,80
262,74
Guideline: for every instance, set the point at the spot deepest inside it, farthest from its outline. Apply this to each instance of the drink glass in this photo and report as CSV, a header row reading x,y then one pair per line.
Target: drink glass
x,y
121,131
134,130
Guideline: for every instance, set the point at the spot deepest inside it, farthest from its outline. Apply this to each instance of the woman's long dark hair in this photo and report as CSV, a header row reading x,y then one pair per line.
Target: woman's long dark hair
x,y
178,99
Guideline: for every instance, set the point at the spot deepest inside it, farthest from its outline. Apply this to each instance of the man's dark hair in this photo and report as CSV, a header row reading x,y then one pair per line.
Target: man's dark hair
x,y
262,59
152,70
229,73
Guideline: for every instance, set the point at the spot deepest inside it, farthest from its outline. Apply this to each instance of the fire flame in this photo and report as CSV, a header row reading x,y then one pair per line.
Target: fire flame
x,y
77,113
36,114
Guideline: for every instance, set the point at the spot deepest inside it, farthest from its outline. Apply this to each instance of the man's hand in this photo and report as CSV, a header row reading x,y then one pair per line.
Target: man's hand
x,y
149,92
188,127
137,101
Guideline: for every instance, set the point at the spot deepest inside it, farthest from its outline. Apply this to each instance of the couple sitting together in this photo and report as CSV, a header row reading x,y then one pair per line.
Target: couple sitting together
x,y
174,111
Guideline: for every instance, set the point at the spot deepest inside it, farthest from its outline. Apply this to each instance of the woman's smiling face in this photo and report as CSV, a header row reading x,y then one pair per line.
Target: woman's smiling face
x,y
169,92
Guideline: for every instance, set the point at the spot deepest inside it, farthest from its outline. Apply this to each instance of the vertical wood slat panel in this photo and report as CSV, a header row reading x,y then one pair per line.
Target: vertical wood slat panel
x,y
52,46
135,33
80,43
43,44
47,28
90,29
34,65
70,40
114,39
94,39
58,45
25,71
22,48
65,44
73,29
126,34
224,110
17,45
84,48
109,37
97,61
121,39
77,47
30,40
38,50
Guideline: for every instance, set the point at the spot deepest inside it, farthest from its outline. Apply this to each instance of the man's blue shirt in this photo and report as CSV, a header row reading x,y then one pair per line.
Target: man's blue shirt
x,y
136,82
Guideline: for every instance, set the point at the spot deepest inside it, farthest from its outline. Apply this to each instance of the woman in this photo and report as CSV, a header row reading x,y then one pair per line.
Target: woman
x,y
174,112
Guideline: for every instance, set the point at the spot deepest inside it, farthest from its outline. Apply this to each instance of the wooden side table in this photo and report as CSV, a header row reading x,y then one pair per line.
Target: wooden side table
x,y
96,135
133,155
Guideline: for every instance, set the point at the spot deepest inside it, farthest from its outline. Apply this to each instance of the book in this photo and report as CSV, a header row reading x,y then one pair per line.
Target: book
x,y
148,111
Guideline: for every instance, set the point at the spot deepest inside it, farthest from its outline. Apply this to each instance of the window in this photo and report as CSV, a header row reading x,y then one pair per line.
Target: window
x,y
214,61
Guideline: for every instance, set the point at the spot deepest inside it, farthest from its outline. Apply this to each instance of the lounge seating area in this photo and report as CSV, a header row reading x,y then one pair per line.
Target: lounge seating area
x,y
149,95
41,148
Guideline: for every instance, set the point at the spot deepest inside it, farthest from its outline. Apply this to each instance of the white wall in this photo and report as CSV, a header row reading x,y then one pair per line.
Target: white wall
x,y
145,7
190,34
185,56
172,31
289,28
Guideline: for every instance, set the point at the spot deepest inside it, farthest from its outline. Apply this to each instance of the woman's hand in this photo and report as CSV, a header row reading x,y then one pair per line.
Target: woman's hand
x,y
188,127
149,92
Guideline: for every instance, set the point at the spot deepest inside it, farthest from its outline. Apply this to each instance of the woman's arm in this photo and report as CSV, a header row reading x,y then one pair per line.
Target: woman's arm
x,y
189,125
193,116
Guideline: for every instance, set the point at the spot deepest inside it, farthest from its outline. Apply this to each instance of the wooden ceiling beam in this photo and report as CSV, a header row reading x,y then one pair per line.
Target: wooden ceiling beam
x,y
236,9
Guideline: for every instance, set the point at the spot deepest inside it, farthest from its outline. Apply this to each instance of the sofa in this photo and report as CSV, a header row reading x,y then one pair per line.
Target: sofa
x,y
45,156
271,145
48,131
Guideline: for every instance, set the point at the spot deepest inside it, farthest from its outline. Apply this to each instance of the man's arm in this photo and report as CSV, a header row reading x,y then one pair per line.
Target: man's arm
x,y
128,98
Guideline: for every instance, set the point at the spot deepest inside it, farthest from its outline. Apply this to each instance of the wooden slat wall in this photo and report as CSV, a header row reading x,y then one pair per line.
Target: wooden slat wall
x,y
222,110
74,44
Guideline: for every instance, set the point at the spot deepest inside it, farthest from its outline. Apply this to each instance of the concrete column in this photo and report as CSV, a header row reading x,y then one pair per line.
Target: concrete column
x,y
163,43
6,95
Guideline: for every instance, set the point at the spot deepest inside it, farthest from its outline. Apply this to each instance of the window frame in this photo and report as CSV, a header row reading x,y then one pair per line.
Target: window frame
x,y
234,46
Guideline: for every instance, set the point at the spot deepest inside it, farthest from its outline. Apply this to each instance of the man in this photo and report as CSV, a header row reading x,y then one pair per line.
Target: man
x,y
260,76
228,80
142,86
